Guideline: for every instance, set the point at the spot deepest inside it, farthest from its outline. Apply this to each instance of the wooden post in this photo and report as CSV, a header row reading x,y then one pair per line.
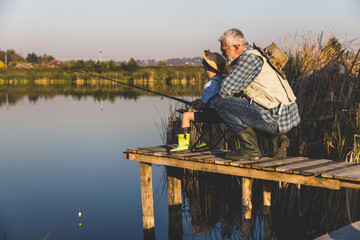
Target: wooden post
x,y
246,209
174,176
246,198
267,210
147,201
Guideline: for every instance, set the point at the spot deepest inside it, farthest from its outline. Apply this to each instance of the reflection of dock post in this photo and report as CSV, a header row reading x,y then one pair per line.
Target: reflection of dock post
x,y
147,201
174,176
246,209
267,210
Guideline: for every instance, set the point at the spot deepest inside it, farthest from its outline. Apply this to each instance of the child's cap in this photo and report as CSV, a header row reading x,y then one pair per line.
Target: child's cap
x,y
215,60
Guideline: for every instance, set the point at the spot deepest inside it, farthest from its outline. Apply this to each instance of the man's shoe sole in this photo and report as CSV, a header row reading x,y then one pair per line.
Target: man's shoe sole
x,y
282,150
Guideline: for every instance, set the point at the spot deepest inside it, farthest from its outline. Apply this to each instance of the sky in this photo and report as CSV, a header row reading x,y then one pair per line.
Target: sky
x,y
162,29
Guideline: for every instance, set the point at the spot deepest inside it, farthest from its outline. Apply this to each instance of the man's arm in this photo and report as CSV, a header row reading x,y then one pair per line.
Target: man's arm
x,y
245,71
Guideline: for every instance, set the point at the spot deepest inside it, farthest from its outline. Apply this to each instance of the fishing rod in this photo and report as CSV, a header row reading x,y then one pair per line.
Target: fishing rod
x,y
130,85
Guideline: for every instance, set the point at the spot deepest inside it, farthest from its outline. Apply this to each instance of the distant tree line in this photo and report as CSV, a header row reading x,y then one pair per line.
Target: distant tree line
x,y
12,58
99,67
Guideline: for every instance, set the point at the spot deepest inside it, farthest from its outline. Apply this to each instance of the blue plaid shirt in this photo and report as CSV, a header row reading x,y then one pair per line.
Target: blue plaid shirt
x,y
246,69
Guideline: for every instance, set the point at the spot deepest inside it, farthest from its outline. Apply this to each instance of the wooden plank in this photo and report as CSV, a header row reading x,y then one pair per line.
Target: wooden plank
x,y
220,151
162,148
300,164
250,162
165,154
323,167
209,160
277,162
243,172
347,169
355,176
188,154
203,156
223,161
132,150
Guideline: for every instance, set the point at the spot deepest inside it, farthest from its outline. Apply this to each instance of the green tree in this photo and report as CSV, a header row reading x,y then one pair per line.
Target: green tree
x,y
12,56
46,58
132,65
33,58
161,64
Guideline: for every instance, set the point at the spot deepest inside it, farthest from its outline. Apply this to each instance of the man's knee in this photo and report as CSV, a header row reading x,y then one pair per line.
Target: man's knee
x,y
188,116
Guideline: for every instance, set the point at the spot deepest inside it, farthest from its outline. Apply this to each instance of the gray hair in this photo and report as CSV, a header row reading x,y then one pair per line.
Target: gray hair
x,y
234,36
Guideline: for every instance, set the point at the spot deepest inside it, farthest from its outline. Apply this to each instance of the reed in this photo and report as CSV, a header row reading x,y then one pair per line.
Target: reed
x,y
325,79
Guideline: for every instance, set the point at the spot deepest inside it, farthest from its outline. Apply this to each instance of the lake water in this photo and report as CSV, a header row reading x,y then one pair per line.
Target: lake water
x,y
61,155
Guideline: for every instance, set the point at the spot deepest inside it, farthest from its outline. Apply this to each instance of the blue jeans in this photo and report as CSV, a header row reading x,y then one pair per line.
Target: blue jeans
x,y
238,114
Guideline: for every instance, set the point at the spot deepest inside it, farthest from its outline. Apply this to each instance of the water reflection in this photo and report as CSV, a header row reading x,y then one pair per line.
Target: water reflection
x,y
12,91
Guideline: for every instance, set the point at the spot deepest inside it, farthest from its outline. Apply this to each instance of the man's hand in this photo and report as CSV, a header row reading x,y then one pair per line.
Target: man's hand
x,y
198,104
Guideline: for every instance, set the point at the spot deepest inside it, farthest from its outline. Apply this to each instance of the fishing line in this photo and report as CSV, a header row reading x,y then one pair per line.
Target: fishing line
x,y
130,85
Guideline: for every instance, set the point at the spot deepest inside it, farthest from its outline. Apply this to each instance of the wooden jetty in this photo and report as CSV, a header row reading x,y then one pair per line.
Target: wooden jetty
x,y
323,173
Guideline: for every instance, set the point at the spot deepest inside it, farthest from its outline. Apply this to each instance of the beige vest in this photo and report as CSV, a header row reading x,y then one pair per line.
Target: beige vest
x,y
269,90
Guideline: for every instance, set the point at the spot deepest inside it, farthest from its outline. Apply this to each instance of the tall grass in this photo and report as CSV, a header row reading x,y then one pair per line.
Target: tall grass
x,y
325,79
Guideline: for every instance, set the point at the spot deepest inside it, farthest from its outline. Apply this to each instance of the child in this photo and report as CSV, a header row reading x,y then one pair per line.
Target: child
x,y
214,66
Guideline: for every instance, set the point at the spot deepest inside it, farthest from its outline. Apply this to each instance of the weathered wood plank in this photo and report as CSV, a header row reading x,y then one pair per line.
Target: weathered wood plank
x,y
132,150
243,172
160,154
277,162
189,154
223,161
346,169
162,148
299,164
220,151
204,156
318,169
250,162
349,175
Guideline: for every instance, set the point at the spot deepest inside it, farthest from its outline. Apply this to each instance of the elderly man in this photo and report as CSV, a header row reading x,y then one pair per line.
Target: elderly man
x,y
254,96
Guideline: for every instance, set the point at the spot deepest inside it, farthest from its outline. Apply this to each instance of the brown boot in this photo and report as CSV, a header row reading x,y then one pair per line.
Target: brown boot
x,y
249,148
278,147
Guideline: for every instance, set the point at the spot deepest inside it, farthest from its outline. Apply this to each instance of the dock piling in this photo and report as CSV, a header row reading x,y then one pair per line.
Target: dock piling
x,y
246,198
174,176
267,210
147,201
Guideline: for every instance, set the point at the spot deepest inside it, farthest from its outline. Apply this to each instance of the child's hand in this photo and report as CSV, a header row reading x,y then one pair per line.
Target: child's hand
x,y
198,104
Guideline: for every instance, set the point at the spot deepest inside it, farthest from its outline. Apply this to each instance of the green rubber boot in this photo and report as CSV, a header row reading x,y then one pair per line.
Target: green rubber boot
x,y
249,148
205,141
279,144
183,143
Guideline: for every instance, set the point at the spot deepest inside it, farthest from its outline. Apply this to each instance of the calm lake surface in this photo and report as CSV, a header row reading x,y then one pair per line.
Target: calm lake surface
x,y
61,154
